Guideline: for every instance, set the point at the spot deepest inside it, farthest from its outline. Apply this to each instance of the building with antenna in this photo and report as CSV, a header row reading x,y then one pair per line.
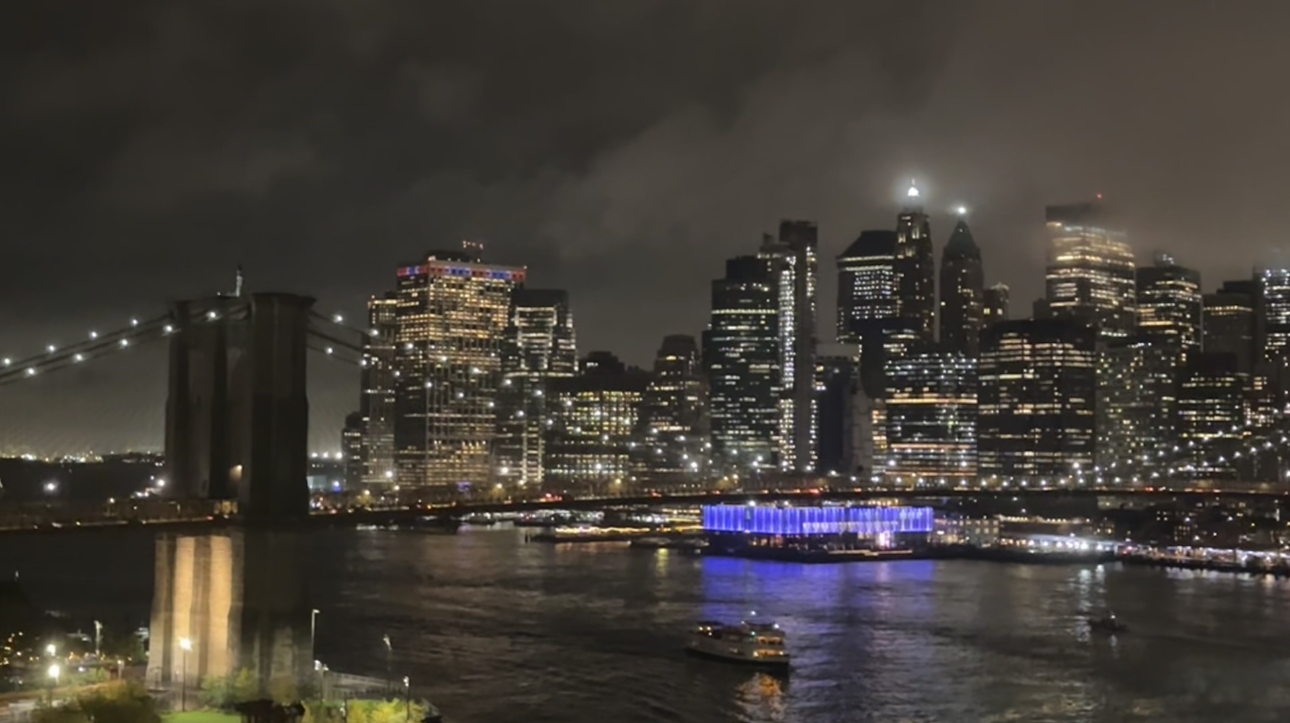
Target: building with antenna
x,y
962,292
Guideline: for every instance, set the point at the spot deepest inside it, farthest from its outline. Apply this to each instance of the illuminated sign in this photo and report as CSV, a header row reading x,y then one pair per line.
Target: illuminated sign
x,y
865,521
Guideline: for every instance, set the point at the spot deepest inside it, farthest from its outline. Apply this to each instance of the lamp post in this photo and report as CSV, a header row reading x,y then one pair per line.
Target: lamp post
x,y
185,645
313,632
389,656
407,699
54,672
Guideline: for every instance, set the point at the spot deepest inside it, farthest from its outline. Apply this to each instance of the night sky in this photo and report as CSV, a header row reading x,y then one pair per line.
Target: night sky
x,y
620,150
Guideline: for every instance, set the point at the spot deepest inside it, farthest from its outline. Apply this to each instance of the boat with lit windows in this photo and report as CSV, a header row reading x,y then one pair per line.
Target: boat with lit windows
x,y
759,643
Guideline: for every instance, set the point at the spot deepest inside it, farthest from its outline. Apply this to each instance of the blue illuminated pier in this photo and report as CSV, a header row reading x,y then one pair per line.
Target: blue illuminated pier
x,y
801,521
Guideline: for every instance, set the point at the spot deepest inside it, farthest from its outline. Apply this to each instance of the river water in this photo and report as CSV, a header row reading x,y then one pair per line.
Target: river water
x,y
496,629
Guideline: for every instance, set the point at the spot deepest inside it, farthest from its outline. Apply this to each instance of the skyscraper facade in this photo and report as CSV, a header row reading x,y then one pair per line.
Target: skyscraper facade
x,y
1091,271
1229,322
741,357
351,449
1274,314
596,416
451,318
868,302
1169,304
916,270
793,263
996,304
674,418
962,293
1137,407
931,417
1036,387
376,404
1210,416
540,346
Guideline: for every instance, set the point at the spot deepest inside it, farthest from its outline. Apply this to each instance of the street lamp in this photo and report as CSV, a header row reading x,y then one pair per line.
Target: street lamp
x,y
50,650
185,645
54,672
407,699
313,631
389,657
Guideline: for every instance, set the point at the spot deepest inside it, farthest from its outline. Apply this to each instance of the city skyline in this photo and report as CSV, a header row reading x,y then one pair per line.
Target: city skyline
x,y
630,203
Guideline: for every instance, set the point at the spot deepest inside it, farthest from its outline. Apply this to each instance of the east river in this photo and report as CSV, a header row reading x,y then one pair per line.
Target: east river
x,y
496,629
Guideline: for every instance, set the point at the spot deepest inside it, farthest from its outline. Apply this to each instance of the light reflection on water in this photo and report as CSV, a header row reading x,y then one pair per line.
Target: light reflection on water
x,y
500,630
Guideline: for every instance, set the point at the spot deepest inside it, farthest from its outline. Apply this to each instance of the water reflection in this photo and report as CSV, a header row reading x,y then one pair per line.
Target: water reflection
x,y
237,601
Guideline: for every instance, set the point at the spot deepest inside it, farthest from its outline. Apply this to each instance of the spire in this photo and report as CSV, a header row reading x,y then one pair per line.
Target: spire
x,y
961,242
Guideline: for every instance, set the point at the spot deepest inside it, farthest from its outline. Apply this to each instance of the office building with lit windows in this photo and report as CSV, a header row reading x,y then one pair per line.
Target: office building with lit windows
x,y
915,270
351,449
595,421
1091,274
1273,318
741,358
1170,304
1229,322
1211,416
1036,387
962,292
674,416
1137,407
540,346
793,263
931,417
868,305
995,304
450,327
376,404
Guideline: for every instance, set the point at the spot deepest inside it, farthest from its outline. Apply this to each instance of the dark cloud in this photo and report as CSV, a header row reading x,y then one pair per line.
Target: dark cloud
x,y
620,149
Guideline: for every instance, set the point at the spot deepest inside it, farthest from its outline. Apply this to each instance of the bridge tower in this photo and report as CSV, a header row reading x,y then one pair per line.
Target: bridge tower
x,y
237,415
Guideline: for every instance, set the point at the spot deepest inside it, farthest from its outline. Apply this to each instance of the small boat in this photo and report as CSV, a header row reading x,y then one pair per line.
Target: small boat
x,y
1109,625
759,644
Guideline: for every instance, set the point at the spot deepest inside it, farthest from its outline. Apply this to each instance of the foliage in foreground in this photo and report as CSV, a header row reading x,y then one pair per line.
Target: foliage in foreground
x,y
358,710
120,703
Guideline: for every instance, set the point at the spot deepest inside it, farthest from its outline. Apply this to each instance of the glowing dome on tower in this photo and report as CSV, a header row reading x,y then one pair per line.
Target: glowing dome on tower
x,y
913,190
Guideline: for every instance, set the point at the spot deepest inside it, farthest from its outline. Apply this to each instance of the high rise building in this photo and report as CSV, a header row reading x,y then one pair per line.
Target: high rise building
x,y
1091,272
451,319
962,292
793,263
916,270
839,395
674,417
1210,416
351,449
540,346
596,417
931,417
1137,407
741,358
1035,413
377,401
868,304
995,304
1229,322
1273,318
1169,304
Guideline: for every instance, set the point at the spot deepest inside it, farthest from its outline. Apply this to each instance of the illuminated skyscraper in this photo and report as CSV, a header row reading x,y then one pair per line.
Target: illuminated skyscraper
x,y
793,264
931,417
1210,416
595,421
674,417
868,304
1036,387
1273,321
1229,322
1169,304
540,346
377,402
996,304
741,358
1091,272
962,292
451,318
351,449
916,270
1138,407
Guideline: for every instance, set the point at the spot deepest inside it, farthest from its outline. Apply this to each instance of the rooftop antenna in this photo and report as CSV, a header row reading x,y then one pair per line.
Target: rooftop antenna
x,y
474,249
237,284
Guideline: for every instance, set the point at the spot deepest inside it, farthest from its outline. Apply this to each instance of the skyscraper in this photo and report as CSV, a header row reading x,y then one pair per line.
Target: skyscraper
x,y
1273,320
1210,416
1169,304
595,417
674,417
1035,412
1137,407
1091,272
1229,322
793,263
931,417
351,449
962,292
995,304
916,270
377,402
869,301
741,357
540,346
451,319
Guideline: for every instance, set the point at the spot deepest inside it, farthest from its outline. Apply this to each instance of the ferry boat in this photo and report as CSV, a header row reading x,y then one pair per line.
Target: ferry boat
x,y
760,644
